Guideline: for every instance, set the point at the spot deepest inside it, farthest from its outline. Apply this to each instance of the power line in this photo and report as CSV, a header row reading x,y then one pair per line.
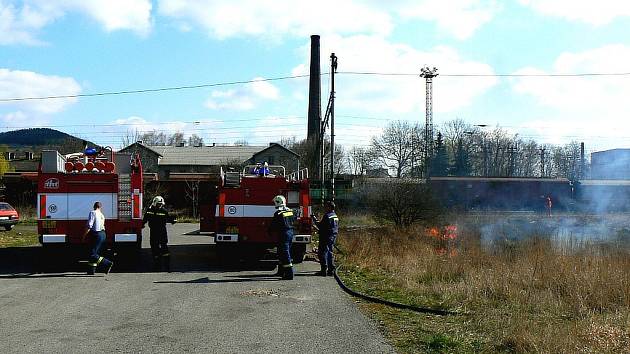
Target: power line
x,y
487,75
240,82
173,88
157,123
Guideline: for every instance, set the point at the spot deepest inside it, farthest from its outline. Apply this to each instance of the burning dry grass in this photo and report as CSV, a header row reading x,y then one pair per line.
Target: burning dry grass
x,y
521,296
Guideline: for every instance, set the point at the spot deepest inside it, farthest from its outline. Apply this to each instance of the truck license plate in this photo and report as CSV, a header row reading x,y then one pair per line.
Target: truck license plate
x,y
49,224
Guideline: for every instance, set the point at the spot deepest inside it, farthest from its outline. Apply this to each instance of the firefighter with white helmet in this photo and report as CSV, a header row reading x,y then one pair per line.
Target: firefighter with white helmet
x,y
282,225
157,216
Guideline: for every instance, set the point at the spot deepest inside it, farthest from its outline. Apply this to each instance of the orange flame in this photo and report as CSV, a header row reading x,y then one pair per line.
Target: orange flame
x,y
448,232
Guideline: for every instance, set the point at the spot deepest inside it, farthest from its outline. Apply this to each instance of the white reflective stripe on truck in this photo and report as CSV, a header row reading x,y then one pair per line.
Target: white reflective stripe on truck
x,y
75,206
54,238
246,211
125,237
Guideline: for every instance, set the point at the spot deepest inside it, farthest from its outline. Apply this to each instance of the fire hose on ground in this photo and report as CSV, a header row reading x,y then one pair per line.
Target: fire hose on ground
x,y
397,305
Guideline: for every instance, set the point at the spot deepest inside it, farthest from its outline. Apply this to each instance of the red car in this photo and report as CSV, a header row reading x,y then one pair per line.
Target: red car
x,y
8,216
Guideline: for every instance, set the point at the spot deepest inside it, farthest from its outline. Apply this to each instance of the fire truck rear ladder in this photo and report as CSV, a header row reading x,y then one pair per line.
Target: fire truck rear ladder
x,y
124,197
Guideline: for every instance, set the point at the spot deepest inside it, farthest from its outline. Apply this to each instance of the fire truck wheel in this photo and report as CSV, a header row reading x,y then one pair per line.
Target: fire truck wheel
x,y
297,253
8,227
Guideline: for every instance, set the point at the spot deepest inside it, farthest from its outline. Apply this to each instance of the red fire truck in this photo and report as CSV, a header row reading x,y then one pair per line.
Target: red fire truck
x,y
243,209
69,185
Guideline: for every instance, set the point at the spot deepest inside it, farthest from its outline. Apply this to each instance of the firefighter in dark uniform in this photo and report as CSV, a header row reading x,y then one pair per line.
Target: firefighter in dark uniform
x,y
328,228
282,225
157,216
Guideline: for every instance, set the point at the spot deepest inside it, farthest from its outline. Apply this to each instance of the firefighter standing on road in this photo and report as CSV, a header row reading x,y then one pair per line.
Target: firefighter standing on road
x,y
282,224
157,216
96,228
328,229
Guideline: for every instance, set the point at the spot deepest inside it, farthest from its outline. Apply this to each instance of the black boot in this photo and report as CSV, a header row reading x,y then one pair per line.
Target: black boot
x,y
288,273
157,264
167,263
331,271
322,271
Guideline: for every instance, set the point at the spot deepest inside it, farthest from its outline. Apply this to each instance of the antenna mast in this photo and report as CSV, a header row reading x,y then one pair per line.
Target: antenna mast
x,y
428,74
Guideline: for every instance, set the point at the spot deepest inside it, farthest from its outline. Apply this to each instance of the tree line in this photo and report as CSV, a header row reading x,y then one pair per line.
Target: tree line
x,y
462,149
457,149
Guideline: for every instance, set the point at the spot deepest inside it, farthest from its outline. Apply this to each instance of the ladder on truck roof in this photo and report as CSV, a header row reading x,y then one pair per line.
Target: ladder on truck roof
x,y
124,197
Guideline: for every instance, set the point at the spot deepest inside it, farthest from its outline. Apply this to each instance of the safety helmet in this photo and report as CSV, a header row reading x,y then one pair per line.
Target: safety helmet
x,y
279,201
157,200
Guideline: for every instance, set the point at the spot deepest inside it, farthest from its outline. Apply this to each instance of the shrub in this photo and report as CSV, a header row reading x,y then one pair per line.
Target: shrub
x,y
402,201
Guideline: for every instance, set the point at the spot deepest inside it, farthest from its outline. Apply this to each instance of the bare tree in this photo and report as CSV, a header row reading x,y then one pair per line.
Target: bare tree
x,y
241,142
195,140
340,166
403,201
130,137
192,196
359,160
175,139
394,148
455,132
308,158
154,138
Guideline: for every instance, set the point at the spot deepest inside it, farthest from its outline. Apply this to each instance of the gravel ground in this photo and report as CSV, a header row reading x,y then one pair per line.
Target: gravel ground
x,y
201,306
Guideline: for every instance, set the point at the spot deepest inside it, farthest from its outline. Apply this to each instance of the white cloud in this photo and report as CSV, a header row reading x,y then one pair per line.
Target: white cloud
x,y
459,17
114,15
276,18
22,120
19,24
581,106
592,12
398,94
243,98
141,125
274,128
20,84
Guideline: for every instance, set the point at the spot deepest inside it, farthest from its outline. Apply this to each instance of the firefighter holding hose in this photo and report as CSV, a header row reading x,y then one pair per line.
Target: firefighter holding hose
x,y
328,228
282,225
157,216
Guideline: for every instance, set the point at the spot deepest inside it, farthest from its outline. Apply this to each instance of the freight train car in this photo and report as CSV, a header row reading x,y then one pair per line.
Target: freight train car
x,y
482,193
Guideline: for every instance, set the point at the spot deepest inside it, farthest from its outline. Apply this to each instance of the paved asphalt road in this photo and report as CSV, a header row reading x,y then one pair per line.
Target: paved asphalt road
x,y
200,306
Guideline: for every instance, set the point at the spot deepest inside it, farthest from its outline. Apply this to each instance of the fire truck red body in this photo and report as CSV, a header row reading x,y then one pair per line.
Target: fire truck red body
x,y
244,209
68,187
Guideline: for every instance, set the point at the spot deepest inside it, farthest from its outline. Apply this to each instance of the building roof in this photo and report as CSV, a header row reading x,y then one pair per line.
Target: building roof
x,y
137,143
500,179
612,151
204,155
605,182
276,145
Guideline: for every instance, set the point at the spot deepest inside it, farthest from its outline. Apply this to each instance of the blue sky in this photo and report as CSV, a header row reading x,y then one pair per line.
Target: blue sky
x,y
69,47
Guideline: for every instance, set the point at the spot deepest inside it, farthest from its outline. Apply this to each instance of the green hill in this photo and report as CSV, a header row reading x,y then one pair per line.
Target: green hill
x,y
37,139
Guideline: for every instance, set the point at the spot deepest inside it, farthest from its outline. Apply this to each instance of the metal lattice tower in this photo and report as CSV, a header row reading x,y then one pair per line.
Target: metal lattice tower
x,y
428,74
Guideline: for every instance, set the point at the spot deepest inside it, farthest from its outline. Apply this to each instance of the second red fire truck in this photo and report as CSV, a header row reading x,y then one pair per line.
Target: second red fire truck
x,y
243,209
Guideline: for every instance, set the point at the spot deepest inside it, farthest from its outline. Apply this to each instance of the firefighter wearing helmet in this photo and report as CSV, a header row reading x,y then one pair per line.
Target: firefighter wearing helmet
x,y
328,229
157,216
282,225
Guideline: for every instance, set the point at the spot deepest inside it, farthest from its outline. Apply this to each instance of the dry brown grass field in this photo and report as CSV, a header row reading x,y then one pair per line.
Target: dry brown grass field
x,y
531,293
